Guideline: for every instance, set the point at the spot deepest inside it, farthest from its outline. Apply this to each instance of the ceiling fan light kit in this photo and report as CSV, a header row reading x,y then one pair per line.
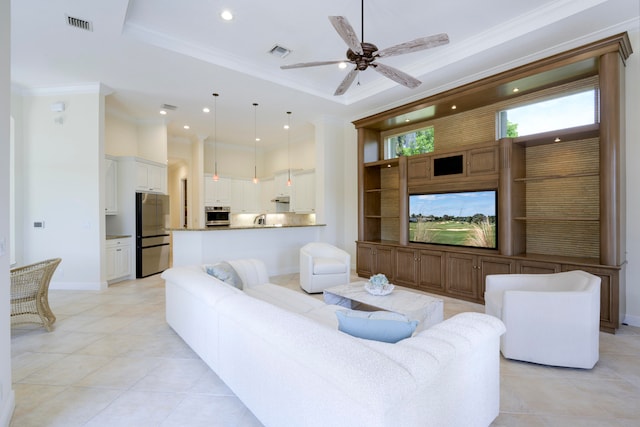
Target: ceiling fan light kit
x,y
363,55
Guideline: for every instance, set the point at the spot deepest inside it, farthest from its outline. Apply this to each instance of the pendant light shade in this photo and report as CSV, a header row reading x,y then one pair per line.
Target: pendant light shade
x,y
289,147
255,143
215,136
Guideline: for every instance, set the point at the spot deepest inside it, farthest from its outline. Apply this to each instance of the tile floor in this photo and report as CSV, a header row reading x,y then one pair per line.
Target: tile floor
x,y
113,361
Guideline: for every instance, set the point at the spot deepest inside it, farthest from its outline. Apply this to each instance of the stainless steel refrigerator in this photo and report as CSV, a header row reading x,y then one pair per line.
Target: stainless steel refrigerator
x,y
152,237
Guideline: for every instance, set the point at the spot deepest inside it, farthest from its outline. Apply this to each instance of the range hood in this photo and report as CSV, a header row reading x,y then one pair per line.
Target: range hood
x,y
281,199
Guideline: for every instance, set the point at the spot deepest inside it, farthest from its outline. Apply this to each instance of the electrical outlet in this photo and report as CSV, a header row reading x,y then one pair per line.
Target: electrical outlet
x,y
38,224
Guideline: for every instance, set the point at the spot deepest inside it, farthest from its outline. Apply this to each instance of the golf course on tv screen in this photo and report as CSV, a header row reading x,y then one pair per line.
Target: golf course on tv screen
x,y
465,218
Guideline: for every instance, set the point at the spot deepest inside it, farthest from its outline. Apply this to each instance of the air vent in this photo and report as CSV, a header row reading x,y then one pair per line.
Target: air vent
x,y
168,107
279,51
79,23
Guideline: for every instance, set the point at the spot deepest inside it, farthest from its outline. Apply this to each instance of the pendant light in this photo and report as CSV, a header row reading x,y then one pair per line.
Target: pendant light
x,y
215,136
255,143
289,146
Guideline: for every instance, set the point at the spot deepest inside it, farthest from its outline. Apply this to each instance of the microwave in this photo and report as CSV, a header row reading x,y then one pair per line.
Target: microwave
x,y
217,216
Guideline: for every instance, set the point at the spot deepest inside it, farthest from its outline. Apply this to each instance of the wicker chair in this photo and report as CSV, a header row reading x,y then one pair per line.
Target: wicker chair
x,y
30,293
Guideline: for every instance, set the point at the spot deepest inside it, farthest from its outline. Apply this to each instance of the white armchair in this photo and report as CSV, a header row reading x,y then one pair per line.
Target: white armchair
x,y
323,265
551,319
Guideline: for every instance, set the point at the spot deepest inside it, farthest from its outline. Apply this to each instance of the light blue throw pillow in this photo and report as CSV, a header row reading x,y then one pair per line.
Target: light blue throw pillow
x,y
382,326
225,272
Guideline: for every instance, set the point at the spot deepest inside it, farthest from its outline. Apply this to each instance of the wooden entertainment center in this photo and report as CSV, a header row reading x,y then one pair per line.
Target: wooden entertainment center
x,y
560,194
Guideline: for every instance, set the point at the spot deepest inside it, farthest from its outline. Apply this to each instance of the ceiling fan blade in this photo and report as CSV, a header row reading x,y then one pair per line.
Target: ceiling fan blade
x,y
396,75
310,64
415,45
346,82
345,30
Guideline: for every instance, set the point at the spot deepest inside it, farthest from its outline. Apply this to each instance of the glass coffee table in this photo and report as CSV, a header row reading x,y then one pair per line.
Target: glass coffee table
x,y
427,310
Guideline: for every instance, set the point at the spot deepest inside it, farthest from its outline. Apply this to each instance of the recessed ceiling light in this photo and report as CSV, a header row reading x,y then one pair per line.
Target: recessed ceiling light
x,y
226,15
286,126
453,107
186,127
407,120
164,113
342,65
258,139
515,89
557,139
205,110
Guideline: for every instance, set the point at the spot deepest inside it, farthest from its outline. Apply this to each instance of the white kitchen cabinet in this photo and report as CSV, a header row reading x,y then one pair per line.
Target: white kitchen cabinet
x,y
118,254
217,193
304,192
267,193
245,196
151,177
111,187
280,185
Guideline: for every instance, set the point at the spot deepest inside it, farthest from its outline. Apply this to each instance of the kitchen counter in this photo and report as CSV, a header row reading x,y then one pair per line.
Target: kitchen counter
x,y
245,227
277,247
117,236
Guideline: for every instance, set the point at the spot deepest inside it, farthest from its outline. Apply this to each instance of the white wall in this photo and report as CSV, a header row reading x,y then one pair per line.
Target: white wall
x,y
120,135
633,182
300,155
7,396
152,141
233,161
62,171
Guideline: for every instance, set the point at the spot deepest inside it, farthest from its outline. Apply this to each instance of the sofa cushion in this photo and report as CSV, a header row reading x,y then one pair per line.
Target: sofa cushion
x,y
328,266
376,325
225,272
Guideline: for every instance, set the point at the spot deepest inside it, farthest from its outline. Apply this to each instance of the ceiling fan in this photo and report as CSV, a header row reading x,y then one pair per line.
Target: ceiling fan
x,y
363,55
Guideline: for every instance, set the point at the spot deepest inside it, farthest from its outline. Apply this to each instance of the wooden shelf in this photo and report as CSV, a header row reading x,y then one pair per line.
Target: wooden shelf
x,y
559,218
561,176
569,134
382,163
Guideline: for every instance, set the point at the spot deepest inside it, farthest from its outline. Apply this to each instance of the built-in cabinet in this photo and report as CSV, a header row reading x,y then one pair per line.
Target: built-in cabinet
x,y
151,177
245,196
560,198
111,187
217,193
118,256
303,198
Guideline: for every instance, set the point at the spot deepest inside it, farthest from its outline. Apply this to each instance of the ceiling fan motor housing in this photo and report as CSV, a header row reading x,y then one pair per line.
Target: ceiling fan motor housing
x,y
363,61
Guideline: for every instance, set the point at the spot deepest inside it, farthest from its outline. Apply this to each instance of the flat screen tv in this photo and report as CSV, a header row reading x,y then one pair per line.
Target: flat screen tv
x,y
463,218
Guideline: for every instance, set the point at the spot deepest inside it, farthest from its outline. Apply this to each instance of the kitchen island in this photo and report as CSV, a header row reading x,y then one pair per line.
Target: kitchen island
x,y
277,245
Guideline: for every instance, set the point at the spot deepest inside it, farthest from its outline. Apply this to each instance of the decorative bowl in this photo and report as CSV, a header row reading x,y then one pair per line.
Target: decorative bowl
x,y
385,289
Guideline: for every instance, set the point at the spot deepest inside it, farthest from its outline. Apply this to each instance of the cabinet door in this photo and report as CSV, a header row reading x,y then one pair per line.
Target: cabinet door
x,y
111,187
157,176
609,295
384,256
304,194
281,187
431,270
462,273
217,193
237,196
251,196
365,260
482,161
110,253
142,176
488,265
123,257
418,170
537,267
406,267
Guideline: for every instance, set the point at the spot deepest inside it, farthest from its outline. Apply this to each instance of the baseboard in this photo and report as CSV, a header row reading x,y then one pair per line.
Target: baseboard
x,y
631,320
78,286
7,409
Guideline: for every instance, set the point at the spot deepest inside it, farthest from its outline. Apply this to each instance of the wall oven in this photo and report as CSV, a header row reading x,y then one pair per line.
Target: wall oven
x,y
215,216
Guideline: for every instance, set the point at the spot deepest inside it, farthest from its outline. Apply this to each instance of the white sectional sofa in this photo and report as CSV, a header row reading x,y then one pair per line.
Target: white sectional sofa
x,y
281,353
